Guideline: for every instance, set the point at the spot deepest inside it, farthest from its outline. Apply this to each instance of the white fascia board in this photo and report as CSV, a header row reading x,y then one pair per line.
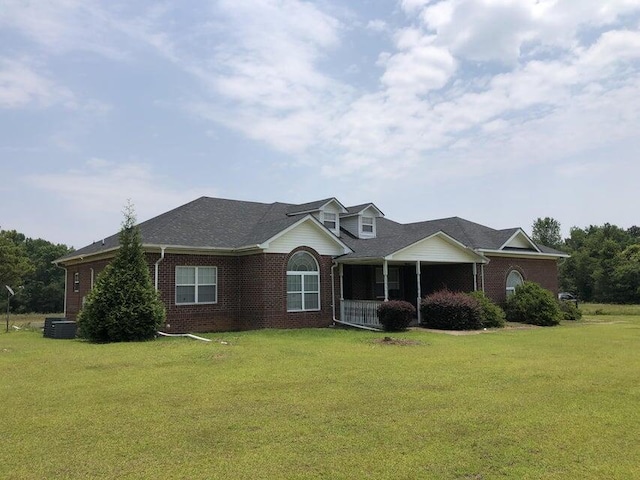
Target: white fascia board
x,y
81,257
307,218
522,254
481,258
520,232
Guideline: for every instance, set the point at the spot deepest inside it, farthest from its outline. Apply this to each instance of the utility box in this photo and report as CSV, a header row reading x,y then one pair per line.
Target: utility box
x,y
59,328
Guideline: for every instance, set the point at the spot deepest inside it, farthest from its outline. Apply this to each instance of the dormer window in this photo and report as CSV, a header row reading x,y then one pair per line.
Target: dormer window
x,y
367,225
331,221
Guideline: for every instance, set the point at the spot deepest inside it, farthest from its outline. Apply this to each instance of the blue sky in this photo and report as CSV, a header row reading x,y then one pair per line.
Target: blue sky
x,y
498,111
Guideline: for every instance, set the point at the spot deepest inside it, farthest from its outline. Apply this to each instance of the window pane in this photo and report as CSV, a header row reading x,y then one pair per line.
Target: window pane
x,y
302,262
311,301
514,279
330,220
311,283
206,275
206,294
185,294
294,283
294,301
186,275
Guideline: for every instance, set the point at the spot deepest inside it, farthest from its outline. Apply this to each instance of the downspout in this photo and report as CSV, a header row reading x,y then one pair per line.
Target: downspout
x,y
333,292
92,273
156,266
64,308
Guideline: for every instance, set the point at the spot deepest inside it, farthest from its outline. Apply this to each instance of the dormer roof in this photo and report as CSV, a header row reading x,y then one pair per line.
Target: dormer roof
x,y
358,209
315,206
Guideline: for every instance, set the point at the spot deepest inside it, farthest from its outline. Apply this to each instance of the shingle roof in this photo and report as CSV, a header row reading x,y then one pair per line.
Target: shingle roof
x,y
231,224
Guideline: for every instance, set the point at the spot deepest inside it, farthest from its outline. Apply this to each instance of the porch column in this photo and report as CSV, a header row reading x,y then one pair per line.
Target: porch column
x,y
419,292
341,273
385,274
475,277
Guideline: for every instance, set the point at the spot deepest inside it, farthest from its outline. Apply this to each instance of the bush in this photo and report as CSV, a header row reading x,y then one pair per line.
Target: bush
x,y
396,315
534,305
447,310
570,311
492,315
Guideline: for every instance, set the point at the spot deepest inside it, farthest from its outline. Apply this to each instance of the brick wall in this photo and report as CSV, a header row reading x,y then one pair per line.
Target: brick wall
x,y
543,272
74,299
251,292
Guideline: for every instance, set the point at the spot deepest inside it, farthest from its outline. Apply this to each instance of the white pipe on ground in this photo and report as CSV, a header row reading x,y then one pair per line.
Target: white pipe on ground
x,y
195,337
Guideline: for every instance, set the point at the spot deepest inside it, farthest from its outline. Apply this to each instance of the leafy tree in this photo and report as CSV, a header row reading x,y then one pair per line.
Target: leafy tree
x,y
123,305
14,262
602,263
43,290
546,231
625,278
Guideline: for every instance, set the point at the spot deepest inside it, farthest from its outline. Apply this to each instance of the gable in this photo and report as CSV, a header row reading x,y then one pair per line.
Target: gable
x,y
519,240
437,248
309,234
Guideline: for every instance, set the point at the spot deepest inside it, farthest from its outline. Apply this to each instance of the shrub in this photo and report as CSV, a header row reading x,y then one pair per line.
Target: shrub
x,y
123,305
570,311
446,310
492,315
395,315
534,305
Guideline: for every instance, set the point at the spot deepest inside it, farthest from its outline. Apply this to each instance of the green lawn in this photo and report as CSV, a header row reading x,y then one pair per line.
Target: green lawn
x,y
540,403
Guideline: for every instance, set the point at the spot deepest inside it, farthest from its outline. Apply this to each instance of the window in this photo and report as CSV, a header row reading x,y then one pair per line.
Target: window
x,y
76,282
367,224
331,221
513,280
196,285
303,283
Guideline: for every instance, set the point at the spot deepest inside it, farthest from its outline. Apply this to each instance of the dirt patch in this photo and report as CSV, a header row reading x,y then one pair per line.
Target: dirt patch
x,y
396,341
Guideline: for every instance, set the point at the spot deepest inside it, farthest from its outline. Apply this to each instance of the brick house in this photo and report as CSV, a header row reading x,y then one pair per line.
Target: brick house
x,y
234,265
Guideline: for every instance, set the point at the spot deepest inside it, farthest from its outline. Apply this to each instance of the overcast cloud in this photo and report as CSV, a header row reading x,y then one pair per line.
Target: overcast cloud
x,y
498,111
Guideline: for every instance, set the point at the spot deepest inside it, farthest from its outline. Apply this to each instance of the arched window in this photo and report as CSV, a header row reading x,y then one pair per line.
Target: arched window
x,y
303,283
513,280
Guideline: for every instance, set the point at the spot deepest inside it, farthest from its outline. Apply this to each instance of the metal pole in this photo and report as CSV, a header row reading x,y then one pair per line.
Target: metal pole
x,y
8,300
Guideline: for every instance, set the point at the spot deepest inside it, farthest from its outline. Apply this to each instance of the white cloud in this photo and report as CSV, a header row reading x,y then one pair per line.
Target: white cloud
x,y
61,26
96,193
21,85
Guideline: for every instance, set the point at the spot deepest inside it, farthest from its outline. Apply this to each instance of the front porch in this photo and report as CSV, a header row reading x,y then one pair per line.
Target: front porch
x,y
363,287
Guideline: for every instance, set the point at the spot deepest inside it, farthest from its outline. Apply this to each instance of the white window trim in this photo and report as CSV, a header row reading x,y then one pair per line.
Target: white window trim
x,y
335,220
196,285
364,233
302,292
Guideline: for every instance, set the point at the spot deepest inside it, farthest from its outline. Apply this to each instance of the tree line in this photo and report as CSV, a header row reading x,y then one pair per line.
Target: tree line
x,y
604,262
26,266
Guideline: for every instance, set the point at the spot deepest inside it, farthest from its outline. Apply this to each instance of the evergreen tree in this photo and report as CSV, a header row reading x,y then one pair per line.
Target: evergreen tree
x,y
123,305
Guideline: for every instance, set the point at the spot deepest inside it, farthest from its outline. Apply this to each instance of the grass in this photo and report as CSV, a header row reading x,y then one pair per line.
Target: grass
x,y
541,403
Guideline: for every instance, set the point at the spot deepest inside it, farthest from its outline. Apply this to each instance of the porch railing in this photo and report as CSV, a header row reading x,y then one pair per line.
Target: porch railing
x,y
360,312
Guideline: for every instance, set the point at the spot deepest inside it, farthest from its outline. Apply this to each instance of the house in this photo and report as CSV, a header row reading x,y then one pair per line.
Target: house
x,y
233,265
